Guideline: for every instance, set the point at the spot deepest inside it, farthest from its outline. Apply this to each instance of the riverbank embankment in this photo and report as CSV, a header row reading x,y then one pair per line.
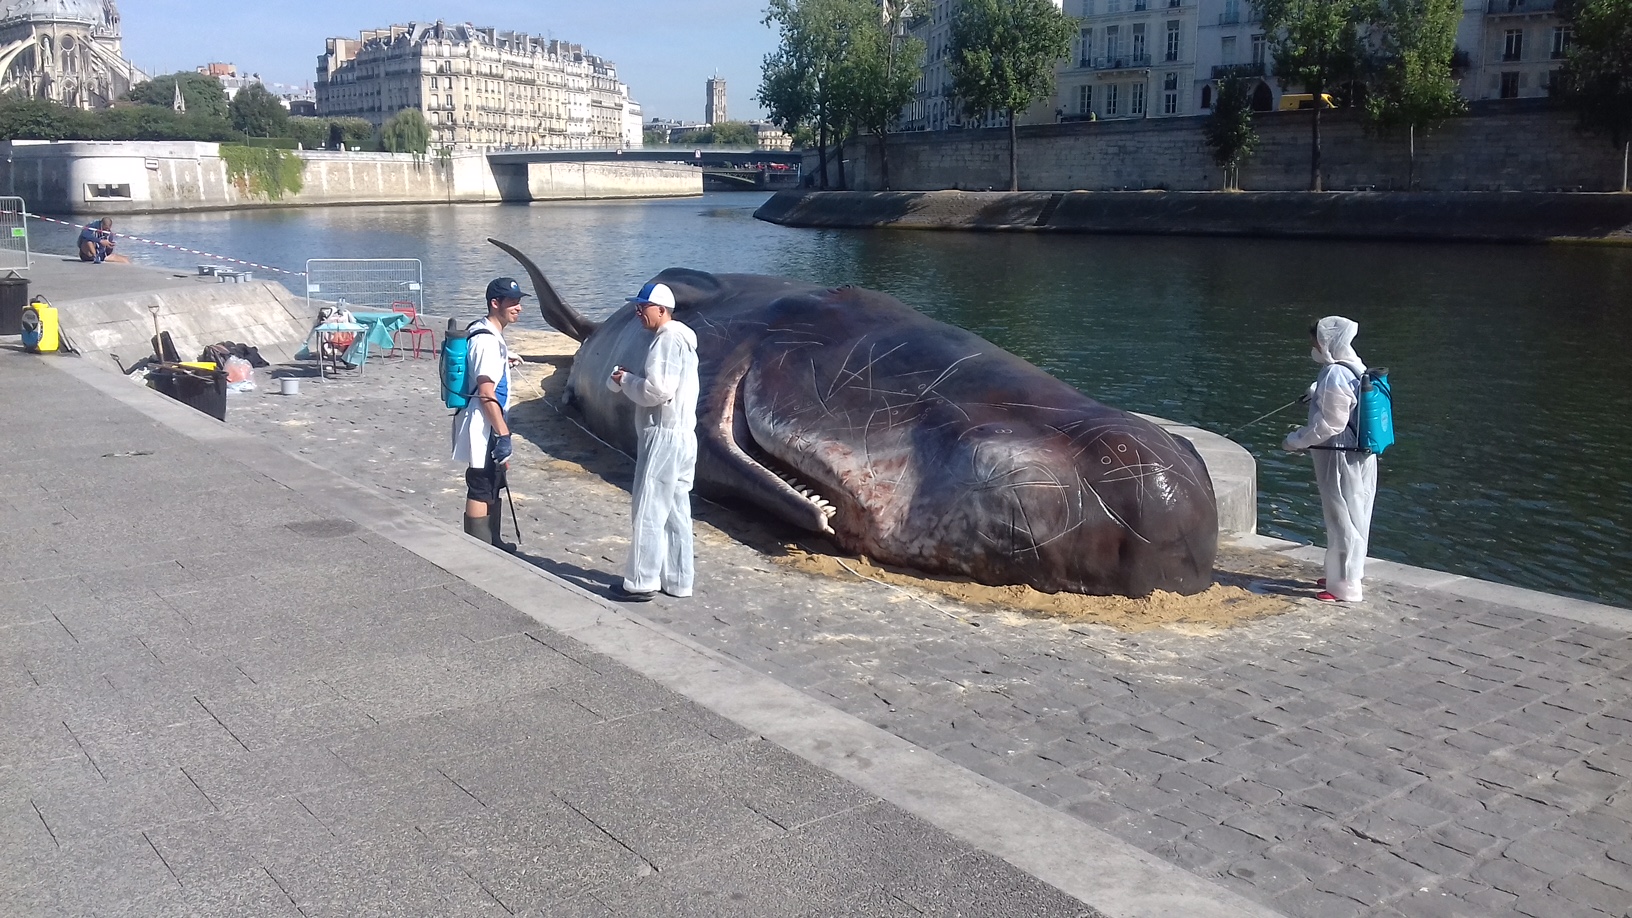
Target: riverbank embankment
x,y
126,177
1471,217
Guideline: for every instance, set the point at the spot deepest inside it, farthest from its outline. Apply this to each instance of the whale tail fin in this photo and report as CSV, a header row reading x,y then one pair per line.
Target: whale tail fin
x,y
562,318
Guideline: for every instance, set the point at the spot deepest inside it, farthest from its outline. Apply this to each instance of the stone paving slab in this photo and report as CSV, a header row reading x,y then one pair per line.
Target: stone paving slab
x,y
1404,756
386,739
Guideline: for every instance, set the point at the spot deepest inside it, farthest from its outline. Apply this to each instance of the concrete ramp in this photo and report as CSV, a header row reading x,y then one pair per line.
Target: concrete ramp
x,y
109,309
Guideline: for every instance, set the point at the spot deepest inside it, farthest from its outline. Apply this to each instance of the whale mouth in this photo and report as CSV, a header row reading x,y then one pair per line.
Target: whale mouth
x,y
763,459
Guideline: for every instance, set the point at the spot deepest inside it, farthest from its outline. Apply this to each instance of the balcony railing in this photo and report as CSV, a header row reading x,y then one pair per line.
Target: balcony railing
x,y
1520,7
1229,18
1247,70
1119,62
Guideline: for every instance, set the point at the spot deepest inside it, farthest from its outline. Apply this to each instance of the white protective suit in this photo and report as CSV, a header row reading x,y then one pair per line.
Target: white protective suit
x,y
666,427
1347,479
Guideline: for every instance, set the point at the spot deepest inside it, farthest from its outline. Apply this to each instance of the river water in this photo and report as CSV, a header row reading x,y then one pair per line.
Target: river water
x,y
1510,364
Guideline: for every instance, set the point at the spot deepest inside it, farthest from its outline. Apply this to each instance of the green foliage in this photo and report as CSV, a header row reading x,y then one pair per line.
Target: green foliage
x,y
1598,72
1414,42
258,113
881,71
1229,129
23,118
201,92
310,133
1003,57
150,122
800,81
1317,44
655,138
345,133
263,174
406,132
726,133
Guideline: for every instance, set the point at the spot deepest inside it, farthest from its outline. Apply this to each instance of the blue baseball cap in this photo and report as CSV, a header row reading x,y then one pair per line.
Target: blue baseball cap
x,y
503,288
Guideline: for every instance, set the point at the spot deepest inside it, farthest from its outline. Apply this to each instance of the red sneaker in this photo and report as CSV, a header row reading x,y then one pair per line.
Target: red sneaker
x,y
1324,596
1321,583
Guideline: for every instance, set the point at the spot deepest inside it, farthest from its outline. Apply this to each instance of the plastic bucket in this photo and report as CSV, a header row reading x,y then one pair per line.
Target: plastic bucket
x,y
289,385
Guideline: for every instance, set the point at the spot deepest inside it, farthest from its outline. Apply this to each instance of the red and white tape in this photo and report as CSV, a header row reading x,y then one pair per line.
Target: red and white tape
x,y
167,245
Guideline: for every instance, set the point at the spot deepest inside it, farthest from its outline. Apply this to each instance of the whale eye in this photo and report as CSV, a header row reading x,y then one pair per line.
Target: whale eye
x,y
1121,447
1105,460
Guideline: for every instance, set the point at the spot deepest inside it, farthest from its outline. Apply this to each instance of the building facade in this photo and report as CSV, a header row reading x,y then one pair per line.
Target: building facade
x,y
67,51
480,88
1130,59
1518,51
714,101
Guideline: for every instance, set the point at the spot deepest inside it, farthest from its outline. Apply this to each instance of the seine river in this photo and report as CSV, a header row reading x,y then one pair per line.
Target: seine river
x,y
1512,366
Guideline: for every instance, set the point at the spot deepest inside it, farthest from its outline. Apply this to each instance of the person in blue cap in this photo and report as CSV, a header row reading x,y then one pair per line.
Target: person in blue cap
x,y
481,429
665,395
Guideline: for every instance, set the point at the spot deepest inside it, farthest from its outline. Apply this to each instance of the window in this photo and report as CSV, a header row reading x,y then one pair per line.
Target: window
x,y
1136,99
1226,50
1139,5
1087,46
1085,99
1111,92
1113,6
1173,4
1087,7
1138,50
1563,37
1172,40
1113,42
1510,85
1513,47
1259,46
1170,94
1232,12
1206,97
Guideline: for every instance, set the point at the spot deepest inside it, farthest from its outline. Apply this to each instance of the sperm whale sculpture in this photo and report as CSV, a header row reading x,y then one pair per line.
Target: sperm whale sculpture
x,y
845,412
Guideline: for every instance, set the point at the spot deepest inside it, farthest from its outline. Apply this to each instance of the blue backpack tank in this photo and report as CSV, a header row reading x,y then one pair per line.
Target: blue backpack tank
x,y
1374,418
454,367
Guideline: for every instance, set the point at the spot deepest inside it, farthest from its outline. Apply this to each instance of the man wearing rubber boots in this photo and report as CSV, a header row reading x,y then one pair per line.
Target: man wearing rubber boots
x,y
665,396
481,430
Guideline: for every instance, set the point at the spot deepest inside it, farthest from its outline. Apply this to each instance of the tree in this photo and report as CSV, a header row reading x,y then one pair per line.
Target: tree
x,y
1414,41
1003,57
798,80
345,133
1317,44
201,92
406,132
1229,128
735,134
655,138
258,113
1598,71
881,71
310,133
24,118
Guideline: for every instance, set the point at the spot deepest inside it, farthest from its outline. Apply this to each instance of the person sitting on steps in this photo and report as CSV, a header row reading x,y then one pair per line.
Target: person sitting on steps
x,y
96,243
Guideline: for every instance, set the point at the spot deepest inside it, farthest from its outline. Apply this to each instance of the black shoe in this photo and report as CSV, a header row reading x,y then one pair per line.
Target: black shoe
x,y
618,592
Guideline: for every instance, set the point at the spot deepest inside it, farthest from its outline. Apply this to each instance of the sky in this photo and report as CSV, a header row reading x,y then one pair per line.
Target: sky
x,y
663,50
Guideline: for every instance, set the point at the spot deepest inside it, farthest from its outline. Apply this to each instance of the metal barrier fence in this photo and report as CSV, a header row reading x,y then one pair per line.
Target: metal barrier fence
x,y
369,284
14,233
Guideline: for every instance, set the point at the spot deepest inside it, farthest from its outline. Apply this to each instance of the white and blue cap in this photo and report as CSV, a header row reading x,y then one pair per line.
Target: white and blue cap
x,y
655,294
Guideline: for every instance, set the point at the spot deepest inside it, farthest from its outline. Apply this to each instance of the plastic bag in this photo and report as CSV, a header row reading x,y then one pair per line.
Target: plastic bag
x,y
239,370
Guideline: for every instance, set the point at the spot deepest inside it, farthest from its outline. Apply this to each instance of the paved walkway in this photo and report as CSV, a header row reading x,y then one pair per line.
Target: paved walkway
x,y
1450,747
233,683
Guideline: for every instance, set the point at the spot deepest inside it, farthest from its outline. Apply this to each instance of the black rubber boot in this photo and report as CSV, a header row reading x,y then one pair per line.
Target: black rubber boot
x,y
478,527
495,522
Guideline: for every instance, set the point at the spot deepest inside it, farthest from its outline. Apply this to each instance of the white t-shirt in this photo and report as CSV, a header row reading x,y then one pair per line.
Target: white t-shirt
x,y
489,356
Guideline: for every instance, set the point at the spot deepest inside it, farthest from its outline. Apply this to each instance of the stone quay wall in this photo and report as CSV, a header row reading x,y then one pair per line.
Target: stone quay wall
x,y
1461,217
93,177
1531,149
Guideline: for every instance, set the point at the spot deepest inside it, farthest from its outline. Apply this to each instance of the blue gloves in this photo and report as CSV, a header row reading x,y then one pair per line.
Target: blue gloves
x,y
502,448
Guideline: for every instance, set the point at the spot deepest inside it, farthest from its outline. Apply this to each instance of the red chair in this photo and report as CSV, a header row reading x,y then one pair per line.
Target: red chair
x,y
414,329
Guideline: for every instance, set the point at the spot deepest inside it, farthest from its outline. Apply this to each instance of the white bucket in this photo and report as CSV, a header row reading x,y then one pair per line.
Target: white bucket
x,y
290,385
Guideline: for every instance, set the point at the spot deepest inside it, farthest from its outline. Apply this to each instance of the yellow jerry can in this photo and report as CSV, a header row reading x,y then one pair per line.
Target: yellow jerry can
x,y
41,332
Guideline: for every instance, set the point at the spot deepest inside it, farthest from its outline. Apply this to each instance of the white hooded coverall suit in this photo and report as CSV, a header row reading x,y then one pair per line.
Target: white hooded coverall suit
x,y
665,395
1347,478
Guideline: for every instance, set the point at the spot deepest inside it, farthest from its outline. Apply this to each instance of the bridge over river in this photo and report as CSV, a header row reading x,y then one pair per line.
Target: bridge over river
x,y
723,168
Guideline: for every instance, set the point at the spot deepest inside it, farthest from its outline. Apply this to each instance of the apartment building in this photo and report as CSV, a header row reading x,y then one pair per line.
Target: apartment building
x,y
1130,59
480,88
1520,50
